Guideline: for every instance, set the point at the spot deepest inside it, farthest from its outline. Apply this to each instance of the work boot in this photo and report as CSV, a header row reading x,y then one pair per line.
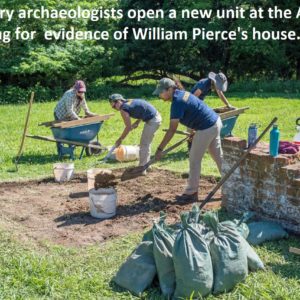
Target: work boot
x,y
187,197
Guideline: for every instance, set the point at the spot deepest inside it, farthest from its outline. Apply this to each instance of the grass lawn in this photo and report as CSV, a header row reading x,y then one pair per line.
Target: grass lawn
x,y
39,156
63,273
52,272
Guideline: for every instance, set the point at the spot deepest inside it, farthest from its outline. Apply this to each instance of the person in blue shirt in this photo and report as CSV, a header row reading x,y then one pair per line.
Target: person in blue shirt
x,y
203,87
186,109
142,111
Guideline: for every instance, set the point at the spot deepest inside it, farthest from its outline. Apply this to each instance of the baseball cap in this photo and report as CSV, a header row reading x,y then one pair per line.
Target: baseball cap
x,y
164,84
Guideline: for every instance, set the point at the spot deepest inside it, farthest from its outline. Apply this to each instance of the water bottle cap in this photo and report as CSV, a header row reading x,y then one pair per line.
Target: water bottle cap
x,y
275,126
253,125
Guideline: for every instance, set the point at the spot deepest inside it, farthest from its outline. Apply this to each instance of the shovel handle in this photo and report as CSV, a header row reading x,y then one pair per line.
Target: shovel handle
x,y
153,160
235,166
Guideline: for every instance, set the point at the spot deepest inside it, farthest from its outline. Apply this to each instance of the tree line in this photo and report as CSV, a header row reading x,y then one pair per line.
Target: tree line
x,y
48,64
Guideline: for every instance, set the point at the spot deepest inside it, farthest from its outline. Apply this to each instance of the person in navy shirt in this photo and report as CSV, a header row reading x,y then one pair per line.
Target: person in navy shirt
x,y
142,111
203,87
186,109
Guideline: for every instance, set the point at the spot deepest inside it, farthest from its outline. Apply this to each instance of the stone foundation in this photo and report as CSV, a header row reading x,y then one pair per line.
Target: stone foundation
x,y
268,186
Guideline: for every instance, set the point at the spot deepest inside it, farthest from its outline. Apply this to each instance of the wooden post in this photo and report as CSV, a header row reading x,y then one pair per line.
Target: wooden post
x,y
25,131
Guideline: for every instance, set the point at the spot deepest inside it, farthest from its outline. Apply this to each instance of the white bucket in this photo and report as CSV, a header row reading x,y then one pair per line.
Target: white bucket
x,y
63,171
127,153
103,203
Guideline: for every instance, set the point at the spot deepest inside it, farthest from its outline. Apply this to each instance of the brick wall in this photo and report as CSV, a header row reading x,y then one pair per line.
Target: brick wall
x,y
269,186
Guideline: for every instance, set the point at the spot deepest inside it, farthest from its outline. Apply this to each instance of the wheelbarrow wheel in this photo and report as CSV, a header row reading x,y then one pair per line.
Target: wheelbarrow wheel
x,y
93,151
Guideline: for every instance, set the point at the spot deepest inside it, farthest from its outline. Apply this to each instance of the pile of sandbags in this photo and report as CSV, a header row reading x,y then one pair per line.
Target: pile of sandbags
x,y
192,259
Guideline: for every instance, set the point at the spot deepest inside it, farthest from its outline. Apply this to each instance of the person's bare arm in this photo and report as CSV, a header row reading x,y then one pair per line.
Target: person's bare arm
x,y
198,93
87,112
168,136
127,121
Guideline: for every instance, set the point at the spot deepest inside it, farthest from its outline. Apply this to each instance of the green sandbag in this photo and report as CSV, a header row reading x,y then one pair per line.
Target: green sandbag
x,y
171,229
264,231
242,228
162,249
240,224
228,253
194,215
254,262
137,273
192,262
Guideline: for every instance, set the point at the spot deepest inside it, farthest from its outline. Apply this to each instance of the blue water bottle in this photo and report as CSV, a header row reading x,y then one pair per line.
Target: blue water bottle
x,y
252,134
274,141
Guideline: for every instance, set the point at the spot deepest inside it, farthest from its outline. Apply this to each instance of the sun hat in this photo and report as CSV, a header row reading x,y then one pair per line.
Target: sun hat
x,y
80,86
116,97
163,84
220,80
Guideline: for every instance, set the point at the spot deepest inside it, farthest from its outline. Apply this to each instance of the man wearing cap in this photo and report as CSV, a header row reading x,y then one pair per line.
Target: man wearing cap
x,y
140,110
189,111
72,101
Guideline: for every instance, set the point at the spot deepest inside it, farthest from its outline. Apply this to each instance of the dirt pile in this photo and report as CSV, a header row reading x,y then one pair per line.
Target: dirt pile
x,y
105,179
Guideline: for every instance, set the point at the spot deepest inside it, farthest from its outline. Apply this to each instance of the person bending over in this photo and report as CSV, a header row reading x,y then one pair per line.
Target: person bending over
x,y
142,111
189,111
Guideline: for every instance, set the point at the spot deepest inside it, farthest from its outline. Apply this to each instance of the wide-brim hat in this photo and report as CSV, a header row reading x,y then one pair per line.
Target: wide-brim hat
x,y
220,80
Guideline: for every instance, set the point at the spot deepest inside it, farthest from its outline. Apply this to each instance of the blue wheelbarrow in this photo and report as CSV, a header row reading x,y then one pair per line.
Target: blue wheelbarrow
x,y
70,134
229,117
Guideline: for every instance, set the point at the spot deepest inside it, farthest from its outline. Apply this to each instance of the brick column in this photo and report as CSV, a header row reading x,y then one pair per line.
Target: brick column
x,y
269,186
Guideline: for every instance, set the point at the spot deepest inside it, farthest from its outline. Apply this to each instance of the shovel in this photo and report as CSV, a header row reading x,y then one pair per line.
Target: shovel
x,y
137,171
104,160
235,166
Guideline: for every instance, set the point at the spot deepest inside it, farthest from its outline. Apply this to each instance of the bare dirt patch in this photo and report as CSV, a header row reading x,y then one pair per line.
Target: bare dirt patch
x,y
59,213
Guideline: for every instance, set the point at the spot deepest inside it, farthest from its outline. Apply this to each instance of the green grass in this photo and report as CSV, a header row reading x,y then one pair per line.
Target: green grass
x,y
60,273
52,272
39,156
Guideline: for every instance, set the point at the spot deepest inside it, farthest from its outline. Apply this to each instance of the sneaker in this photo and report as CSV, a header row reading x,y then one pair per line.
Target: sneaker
x,y
187,197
